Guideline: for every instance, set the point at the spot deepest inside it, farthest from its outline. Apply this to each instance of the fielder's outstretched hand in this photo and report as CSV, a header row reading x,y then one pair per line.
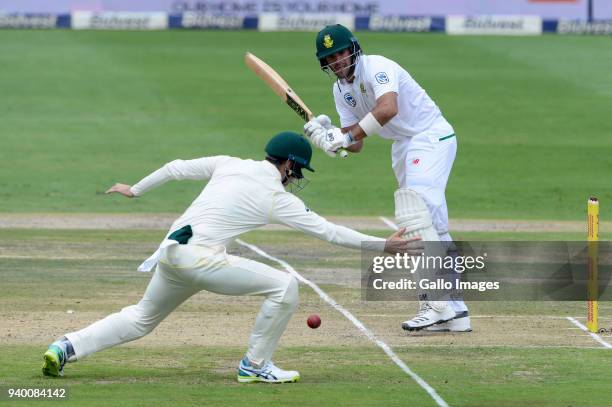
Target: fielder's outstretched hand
x,y
397,244
122,189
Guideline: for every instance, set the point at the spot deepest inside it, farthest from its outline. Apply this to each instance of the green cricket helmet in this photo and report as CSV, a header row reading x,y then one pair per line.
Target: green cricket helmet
x,y
335,38
288,145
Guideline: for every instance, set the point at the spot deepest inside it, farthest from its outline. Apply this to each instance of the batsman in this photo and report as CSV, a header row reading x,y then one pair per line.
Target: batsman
x,y
240,196
376,96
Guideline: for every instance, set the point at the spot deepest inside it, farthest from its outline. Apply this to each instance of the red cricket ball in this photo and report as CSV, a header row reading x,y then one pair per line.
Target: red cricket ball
x,y
313,321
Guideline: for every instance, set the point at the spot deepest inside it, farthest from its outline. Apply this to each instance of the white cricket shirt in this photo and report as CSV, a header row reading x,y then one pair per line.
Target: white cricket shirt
x,y
242,195
374,76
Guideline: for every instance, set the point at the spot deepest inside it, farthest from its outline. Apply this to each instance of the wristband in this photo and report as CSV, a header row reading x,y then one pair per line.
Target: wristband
x,y
370,125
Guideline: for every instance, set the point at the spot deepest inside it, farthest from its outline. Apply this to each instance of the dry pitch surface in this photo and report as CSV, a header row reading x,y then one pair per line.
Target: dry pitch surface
x,y
56,281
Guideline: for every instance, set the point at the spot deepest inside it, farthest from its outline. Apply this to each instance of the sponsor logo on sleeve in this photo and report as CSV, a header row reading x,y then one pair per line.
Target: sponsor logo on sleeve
x,y
350,100
382,78
362,87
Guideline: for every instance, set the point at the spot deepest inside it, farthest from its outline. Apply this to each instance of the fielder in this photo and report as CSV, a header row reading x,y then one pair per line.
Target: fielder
x,y
375,95
241,195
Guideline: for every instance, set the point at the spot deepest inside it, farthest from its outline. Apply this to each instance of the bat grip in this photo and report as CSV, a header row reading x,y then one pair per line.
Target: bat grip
x,y
343,153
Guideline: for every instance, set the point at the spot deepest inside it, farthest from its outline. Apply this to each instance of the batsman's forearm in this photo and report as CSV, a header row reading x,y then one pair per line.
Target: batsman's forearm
x,y
386,108
372,123
357,133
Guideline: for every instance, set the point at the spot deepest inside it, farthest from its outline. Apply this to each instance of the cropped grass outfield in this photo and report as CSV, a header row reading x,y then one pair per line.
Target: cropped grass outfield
x,y
82,110
494,366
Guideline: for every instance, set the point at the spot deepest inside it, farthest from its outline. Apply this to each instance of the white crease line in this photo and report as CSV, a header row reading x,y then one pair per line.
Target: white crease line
x,y
531,316
480,346
369,334
388,223
578,324
482,316
593,335
600,318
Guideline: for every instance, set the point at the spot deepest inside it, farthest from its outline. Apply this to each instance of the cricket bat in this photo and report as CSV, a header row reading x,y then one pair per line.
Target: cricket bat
x,y
281,88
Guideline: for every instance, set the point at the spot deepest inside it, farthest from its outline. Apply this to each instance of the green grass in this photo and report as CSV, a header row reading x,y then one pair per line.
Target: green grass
x,y
43,276
329,376
288,237
207,376
82,110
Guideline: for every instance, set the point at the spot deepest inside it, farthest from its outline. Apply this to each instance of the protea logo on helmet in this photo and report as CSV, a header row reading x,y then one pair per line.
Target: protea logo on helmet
x,y
328,42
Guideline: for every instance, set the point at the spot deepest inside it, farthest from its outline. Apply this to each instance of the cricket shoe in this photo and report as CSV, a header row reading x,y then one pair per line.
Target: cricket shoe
x,y
427,316
54,361
461,323
267,374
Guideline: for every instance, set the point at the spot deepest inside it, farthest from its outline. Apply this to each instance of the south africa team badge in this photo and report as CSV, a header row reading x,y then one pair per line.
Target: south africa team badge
x,y
348,98
328,42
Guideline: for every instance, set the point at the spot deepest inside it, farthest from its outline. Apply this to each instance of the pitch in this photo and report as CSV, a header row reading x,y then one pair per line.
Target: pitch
x,y
82,110
519,352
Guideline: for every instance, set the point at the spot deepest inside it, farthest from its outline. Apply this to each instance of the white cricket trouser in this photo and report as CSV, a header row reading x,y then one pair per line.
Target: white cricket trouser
x,y
423,163
184,270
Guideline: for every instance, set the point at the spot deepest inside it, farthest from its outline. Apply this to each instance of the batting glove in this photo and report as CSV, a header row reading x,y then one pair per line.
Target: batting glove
x,y
331,140
337,140
324,121
320,121
311,127
318,138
